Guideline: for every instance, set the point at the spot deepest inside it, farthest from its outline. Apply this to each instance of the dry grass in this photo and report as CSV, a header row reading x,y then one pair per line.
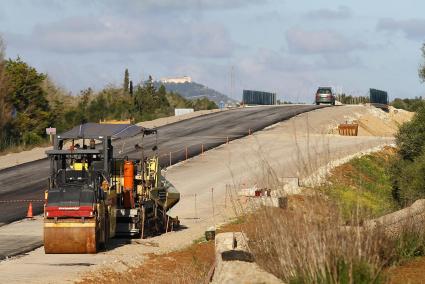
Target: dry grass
x,y
306,244
412,272
189,265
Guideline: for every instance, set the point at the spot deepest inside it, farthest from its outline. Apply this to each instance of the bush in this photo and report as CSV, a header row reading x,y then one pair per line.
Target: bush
x,y
409,180
409,104
408,169
410,138
31,138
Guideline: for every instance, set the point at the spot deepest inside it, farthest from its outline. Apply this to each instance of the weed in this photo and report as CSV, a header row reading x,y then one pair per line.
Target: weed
x,y
363,185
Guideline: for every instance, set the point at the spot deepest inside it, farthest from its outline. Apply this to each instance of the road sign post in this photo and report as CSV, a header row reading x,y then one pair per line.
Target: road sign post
x,y
51,131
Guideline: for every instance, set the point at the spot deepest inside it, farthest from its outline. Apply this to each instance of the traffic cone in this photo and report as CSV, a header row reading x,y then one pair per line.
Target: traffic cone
x,y
29,213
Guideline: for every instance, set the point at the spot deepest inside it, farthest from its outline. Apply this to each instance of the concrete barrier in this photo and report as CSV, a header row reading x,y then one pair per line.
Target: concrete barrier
x,y
234,263
394,222
271,201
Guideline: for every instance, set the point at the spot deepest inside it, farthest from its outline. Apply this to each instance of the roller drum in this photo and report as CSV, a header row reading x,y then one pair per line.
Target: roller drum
x,y
70,236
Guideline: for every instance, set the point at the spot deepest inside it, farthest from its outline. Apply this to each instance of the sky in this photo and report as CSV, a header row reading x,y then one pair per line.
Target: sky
x,y
282,46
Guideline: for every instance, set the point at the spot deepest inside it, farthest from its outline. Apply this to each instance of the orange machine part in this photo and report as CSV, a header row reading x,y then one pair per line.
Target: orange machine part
x,y
128,184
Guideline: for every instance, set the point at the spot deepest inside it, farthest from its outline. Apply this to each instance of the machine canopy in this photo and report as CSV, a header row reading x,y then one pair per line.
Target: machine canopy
x,y
95,130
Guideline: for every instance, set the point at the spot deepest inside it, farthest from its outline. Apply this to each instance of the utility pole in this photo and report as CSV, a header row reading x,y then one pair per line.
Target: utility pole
x,y
232,81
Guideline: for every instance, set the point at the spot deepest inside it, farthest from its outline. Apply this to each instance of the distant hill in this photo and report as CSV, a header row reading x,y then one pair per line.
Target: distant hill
x,y
192,90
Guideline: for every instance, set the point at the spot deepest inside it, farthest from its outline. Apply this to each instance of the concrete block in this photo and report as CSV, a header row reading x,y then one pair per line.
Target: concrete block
x,y
270,201
234,263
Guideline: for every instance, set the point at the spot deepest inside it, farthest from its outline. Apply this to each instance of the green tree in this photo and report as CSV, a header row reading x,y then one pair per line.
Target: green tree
x,y
204,103
408,169
83,105
409,104
422,68
110,103
131,88
162,98
5,108
59,102
145,101
149,87
410,138
28,100
126,81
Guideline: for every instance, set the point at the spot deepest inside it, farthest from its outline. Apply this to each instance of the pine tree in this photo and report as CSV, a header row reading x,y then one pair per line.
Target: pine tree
x,y
131,87
149,87
422,67
126,80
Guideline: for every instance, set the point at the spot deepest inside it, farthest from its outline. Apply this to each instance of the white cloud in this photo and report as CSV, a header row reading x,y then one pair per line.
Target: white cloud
x,y
338,61
319,42
266,60
413,28
144,5
341,13
86,35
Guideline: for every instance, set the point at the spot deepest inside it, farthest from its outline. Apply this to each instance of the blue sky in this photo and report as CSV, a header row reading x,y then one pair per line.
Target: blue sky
x,y
288,47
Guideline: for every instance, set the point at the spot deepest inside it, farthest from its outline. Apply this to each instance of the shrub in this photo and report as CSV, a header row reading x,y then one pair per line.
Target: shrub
x,y
408,169
31,138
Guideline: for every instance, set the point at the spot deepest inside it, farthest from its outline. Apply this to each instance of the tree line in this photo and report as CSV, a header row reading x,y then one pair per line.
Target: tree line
x,y
30,102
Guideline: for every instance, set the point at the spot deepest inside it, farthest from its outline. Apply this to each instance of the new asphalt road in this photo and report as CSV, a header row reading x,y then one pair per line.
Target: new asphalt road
x,y
22,183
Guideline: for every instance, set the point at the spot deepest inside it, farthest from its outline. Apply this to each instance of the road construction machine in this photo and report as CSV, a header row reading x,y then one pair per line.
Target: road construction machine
x,y
95,194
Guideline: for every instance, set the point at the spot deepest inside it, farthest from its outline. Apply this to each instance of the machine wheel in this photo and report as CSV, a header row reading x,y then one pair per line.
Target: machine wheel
x,y
102,245
105,244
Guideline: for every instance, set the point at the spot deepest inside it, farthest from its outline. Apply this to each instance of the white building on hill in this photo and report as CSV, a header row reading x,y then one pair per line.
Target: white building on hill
x,y
177,80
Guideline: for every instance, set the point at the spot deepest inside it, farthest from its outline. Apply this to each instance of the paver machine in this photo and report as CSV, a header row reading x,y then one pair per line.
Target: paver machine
x,y
95,194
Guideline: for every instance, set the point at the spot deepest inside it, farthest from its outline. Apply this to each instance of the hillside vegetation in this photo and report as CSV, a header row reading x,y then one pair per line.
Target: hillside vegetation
x,y
192,90
363,185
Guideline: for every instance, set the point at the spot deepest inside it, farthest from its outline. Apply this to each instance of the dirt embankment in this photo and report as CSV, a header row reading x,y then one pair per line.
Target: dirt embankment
x,y
374,121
